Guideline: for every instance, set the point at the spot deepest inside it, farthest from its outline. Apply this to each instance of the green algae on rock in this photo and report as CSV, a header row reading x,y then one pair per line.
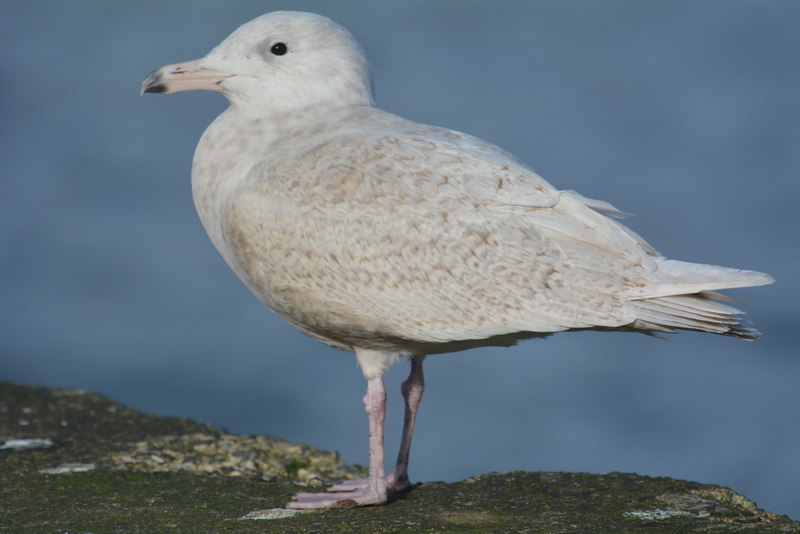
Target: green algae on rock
x,y
209,481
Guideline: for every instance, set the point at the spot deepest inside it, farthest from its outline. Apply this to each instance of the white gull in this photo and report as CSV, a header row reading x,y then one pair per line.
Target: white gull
x,y
389,239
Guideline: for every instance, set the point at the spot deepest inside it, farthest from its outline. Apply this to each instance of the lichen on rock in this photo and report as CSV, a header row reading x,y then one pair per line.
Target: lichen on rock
x,y
260,456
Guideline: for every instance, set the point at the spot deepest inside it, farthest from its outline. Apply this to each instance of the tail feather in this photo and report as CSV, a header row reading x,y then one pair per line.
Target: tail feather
x,y
686,301
692,312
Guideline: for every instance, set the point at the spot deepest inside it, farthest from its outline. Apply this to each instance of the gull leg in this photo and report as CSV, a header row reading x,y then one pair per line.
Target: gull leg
x,y
374,491
412,390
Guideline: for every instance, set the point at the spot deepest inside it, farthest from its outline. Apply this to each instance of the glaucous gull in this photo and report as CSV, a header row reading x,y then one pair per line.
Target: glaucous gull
x,y
387,238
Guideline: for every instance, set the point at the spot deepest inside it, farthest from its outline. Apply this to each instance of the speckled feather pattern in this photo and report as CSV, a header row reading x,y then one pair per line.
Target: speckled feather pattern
x,y
364,229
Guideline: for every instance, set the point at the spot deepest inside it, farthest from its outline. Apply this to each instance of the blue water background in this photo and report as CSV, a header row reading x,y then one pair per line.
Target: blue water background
x,y
684,113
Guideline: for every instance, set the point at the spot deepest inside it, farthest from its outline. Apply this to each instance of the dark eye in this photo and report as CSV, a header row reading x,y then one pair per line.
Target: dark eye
x,y
279,49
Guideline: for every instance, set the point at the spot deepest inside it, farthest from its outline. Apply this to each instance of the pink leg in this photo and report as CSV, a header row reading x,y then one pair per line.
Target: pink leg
x,y
412,390
374,491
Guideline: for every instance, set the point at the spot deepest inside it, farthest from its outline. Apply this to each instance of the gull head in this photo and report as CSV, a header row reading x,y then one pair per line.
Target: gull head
x,y
278,63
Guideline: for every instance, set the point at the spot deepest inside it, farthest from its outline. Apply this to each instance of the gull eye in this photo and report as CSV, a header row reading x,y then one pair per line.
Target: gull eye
x,y
279,49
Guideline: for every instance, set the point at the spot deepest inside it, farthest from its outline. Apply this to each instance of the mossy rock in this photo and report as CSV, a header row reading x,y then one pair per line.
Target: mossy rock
x,y
104,468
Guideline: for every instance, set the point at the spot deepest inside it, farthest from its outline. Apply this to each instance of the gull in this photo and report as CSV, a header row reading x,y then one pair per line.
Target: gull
x,y
392,239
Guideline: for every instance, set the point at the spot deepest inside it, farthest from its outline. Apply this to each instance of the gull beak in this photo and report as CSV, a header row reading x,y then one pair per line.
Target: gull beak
x,y
189,76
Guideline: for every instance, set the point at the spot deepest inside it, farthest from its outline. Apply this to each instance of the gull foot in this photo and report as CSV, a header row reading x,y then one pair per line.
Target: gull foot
x,y
392,485
341,499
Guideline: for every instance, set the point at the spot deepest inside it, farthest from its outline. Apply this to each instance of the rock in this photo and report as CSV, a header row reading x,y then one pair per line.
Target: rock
x,y
112,469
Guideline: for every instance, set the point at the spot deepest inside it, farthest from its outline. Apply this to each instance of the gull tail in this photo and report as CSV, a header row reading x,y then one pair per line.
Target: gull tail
x,y
687,300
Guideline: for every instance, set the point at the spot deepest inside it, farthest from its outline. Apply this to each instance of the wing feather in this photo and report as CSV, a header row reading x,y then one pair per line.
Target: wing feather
x,y
420,234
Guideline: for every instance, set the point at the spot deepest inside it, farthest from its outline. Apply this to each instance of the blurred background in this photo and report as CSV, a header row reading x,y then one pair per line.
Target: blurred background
x,y
684,113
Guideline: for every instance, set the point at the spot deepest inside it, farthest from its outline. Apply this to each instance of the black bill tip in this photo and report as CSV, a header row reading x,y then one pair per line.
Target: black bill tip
x,y
152,84
158,88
